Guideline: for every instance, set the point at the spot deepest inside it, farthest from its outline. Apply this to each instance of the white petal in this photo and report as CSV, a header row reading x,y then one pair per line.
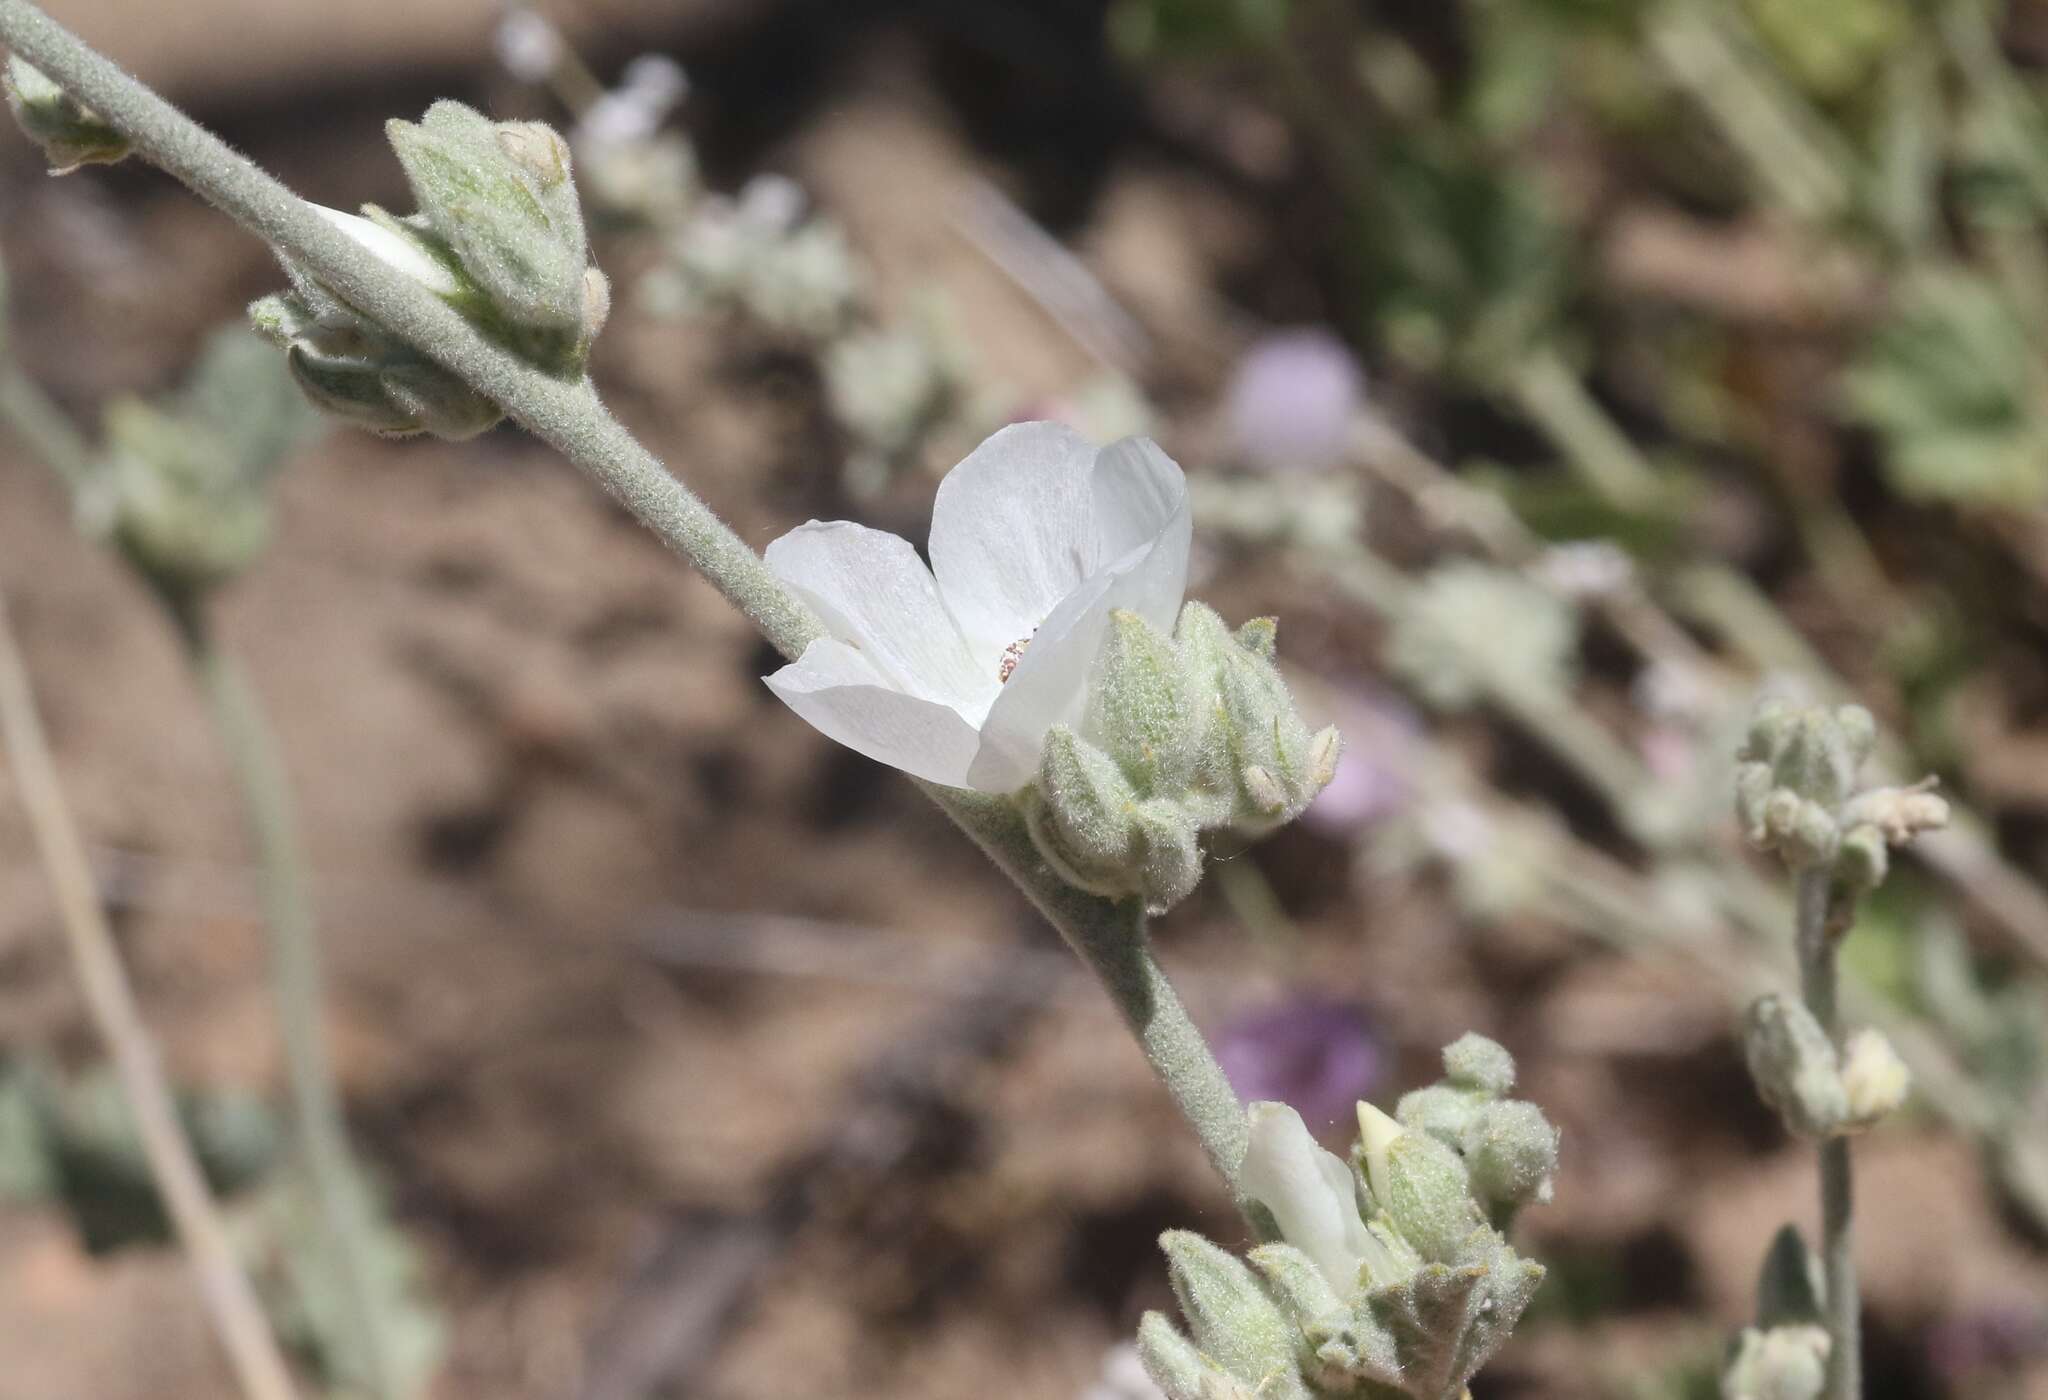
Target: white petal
x,y
1308,1191
392,249
1141,501
871,591
1048,687
1013,531
1141,498
1139,489
839,694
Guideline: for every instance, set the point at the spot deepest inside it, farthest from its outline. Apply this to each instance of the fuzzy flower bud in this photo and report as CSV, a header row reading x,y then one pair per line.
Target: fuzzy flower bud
x,y
499,194
1388,1276
70,134
1511,1152
351,368
1422,1186
1481,1065
1171,1359
183,486
1142,709
1795,1066
1235,1322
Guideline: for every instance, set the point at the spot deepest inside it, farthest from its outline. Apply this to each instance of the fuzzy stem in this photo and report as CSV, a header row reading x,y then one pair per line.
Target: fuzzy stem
x,y
237,1317
1817,944
569,417
1110,938
295,980
1550,392
42,427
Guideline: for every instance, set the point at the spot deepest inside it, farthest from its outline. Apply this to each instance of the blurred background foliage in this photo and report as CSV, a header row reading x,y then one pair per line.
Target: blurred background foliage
x,y
1561,372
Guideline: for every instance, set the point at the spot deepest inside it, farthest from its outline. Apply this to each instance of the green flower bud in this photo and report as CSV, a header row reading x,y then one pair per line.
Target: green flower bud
x,y
1258,755
1083,815
183,487
1172,864
1474,1062
1511,1153
352,369
1795,1066
162,500
70,134
1260,637
1140,710
1420,1184
501,196
1814,752
1295,1280
1340,1351
1235,1323
1170,1359
1441,1111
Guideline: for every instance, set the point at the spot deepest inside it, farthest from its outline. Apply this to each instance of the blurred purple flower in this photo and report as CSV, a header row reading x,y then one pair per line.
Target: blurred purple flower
x,y
1291,402
1963,1346
1372,781
1317,1055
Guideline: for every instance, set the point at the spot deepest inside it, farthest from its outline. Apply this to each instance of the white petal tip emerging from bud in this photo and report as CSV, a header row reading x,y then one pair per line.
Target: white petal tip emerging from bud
x,y
1873,1076
1376,1133
393,250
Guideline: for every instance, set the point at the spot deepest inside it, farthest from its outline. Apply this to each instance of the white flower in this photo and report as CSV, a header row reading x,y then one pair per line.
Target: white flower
x,y
394,250
954,673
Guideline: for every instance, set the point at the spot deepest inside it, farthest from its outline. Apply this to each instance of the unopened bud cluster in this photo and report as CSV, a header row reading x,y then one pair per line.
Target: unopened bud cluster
x,y
1784,1356
70,134
1387,1278
1183,736
1796,794
182,485
498,236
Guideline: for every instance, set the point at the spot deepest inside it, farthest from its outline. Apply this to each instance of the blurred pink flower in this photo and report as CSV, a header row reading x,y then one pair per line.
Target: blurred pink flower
x,y
1314,1054
1291,402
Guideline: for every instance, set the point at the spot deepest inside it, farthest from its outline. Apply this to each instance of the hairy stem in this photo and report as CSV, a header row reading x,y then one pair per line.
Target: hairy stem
x,y
1549,391
238,1319
295,983
1110,938
1817,944
42,427
569,416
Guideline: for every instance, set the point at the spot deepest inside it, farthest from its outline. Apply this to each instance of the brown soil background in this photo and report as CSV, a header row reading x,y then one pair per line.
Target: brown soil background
x,y
615,941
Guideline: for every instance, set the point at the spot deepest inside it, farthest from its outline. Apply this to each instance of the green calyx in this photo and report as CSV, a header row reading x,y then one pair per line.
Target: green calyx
x,y
499,238
182,486
1182,737
70,134
500,195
